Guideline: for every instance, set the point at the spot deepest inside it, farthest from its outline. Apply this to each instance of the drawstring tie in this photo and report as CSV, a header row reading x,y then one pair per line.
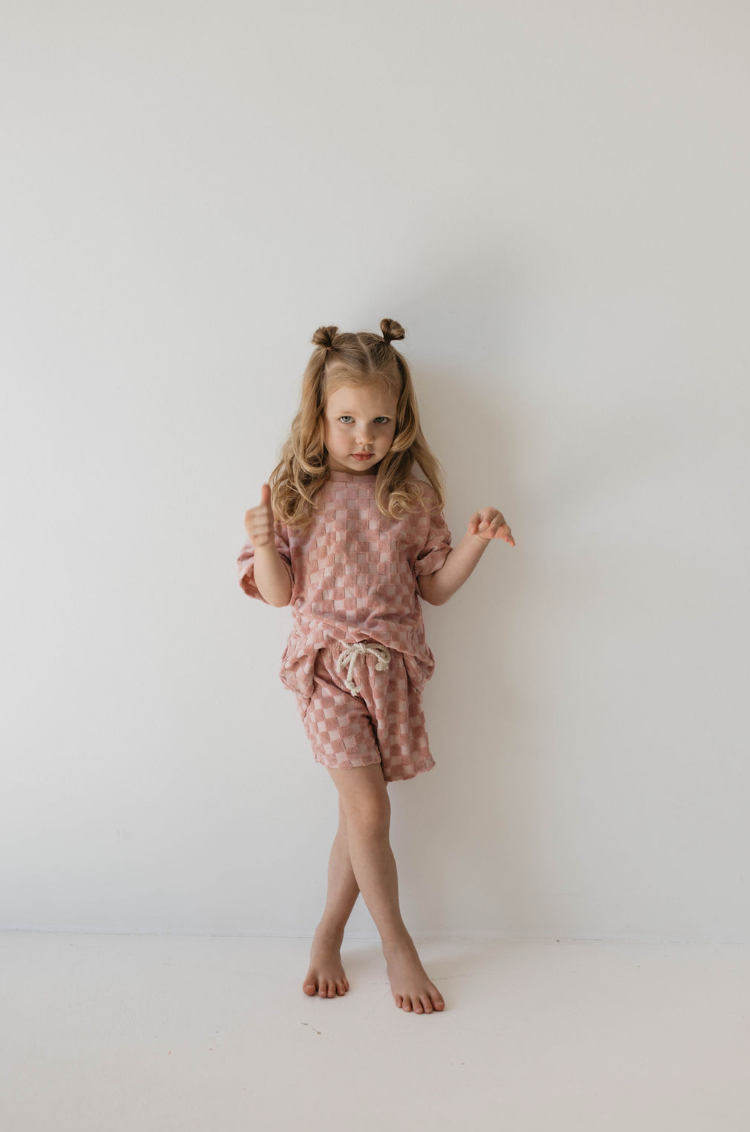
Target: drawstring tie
x,y
350,654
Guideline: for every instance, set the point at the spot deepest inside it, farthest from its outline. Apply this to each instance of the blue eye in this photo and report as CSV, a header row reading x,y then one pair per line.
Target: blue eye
x,y
384,419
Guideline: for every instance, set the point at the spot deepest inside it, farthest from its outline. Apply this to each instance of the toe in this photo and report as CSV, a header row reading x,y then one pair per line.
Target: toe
x,y
340,987
309,988
407,1003
426,1003
399,1001
439,1004
323,989
331,990
418,1008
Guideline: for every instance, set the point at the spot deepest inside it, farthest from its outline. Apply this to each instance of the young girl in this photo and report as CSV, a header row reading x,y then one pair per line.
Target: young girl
x,y
347,535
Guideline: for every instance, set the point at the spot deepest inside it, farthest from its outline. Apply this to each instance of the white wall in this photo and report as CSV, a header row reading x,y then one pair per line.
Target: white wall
x,y
552,199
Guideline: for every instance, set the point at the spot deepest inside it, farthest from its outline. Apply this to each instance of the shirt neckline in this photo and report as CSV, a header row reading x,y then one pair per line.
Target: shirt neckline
x,y
349,477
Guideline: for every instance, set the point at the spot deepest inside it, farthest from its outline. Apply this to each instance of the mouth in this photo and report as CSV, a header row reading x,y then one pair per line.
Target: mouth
x,y
362,455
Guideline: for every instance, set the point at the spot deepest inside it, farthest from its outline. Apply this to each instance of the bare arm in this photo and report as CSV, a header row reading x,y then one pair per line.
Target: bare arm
x,y
439,587
271,575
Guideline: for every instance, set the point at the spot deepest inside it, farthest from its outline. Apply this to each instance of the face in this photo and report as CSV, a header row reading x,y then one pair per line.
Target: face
x,y
359,420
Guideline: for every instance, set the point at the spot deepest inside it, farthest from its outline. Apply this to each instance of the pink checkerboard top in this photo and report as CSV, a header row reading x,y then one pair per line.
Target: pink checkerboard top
x,y
354,570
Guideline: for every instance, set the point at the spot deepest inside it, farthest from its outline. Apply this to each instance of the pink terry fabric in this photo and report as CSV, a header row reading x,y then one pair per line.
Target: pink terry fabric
x,y
383,723
354,578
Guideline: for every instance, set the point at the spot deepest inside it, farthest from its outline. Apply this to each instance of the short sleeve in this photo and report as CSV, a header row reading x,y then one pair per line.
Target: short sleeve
x,y
246,561
437,546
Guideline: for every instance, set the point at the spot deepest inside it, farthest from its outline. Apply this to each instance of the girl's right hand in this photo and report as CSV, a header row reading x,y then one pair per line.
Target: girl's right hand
x,y
259,520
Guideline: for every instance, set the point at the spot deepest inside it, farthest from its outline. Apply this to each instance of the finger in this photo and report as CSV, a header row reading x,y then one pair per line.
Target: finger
x,y
265,495
500,529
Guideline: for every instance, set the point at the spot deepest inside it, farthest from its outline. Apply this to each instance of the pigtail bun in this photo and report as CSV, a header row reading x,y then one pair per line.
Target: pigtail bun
x,y
324,336
391,330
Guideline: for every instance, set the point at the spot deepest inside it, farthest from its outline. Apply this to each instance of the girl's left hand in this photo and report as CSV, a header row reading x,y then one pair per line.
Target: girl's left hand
x,y
488,524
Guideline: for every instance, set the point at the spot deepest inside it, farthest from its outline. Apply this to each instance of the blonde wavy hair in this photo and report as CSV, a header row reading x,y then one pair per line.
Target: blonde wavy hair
x,y
362,359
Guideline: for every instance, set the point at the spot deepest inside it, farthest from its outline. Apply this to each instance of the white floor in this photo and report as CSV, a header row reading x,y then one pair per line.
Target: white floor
x,y
106,1032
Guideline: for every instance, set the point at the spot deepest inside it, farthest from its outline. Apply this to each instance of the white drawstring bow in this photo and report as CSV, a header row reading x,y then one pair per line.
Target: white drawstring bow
x,y
350,654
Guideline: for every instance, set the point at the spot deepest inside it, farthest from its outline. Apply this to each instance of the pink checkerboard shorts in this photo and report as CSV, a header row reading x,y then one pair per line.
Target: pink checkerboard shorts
x,y
365,710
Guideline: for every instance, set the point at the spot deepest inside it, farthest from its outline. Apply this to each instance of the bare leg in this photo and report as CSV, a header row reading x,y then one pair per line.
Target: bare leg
x,y
325,975
367,809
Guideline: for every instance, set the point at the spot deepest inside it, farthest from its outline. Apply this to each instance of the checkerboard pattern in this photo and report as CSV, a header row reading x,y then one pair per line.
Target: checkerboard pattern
x,y
354,572
354,578
384,724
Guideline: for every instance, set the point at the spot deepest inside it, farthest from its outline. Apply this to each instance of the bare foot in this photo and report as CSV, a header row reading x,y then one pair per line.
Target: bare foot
x,y
325,975
411,987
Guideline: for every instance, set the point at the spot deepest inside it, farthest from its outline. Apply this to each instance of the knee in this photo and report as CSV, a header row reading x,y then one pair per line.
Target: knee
x,y
369,814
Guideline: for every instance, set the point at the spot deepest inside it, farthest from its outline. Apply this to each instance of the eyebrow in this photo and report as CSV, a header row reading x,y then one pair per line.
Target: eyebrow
x,y
351,413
